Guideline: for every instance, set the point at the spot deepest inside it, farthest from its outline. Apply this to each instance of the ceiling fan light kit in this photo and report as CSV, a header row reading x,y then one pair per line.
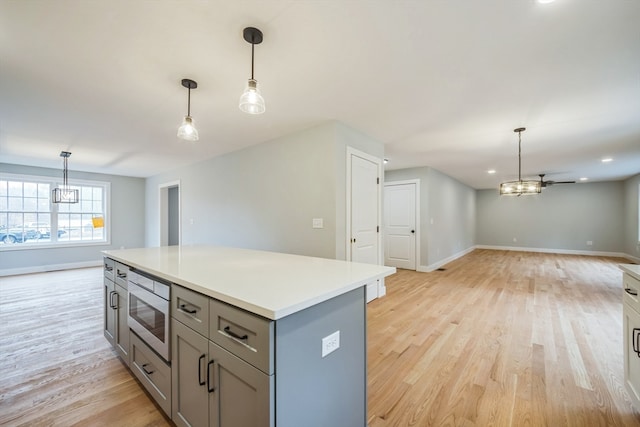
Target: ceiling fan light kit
x,y
187,129
520,187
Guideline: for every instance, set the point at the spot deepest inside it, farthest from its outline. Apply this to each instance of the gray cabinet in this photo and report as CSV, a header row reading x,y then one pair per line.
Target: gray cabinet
x,y
212,386
116,298
241,395
631,326
109,314
190,396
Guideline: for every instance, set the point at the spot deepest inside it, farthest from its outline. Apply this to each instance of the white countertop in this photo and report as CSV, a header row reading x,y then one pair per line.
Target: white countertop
x,y
632,269
270,284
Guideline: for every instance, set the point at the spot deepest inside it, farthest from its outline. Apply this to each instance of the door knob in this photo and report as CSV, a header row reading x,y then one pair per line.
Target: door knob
x,y
413,231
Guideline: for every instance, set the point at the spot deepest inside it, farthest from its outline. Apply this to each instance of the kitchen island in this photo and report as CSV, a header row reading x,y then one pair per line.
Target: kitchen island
x,y
257,338
631,326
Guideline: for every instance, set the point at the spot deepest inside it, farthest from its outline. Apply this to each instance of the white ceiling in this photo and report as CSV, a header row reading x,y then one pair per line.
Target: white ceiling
x,y
440,83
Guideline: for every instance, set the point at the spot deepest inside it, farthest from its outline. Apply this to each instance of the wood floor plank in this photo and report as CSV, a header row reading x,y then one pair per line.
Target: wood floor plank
x,y
497,339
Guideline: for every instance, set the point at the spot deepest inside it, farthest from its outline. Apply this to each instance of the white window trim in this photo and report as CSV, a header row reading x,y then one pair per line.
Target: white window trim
x,y
56,181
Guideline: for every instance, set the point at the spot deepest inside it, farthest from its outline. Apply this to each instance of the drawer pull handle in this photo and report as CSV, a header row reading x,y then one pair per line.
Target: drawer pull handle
x,y
184,308
636,340
631,291
108,267
209,365
122,275
144,368
200,359
234,335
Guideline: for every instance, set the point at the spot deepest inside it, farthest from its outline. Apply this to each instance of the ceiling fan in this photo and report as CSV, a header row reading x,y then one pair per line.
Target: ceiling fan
x,y
545,184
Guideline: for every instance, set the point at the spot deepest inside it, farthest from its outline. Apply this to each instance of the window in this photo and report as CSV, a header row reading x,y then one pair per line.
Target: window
x,y
28,218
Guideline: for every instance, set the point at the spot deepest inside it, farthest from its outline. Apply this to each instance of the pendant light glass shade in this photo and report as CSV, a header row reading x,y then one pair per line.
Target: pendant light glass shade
x,y
251,101
65,194
187,130
520,187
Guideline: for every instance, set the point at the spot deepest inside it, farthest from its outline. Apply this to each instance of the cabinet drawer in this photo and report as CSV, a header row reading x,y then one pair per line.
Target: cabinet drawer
x,y
631,287
152,371
121,274
109,268
191,308
246,335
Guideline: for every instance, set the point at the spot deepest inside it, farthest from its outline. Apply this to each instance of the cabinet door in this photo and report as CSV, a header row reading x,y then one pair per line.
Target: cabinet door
x,y
121,327
632,352
190,401
109,313
242,395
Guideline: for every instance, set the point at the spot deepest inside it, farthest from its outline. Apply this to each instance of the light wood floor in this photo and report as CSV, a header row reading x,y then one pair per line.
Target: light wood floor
x,y
498,339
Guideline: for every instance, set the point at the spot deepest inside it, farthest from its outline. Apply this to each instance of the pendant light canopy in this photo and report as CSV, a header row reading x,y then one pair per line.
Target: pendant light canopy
x,y
65,194
251,101
187,129
520,187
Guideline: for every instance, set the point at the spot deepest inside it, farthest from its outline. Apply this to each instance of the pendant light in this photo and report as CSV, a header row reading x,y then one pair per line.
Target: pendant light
x,y
520,187
65,194
251,101
187,129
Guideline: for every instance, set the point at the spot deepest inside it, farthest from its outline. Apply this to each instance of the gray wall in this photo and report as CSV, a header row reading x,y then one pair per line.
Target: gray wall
x,y
631,217
127,225
451,205
563,217
265,196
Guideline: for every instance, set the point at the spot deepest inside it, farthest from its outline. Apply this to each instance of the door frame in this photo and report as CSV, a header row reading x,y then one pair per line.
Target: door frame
x,y
163,211
378,161
417,198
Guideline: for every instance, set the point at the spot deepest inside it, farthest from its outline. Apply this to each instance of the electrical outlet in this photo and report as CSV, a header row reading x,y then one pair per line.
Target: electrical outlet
x,y
330,343
515,240
318,223
589,242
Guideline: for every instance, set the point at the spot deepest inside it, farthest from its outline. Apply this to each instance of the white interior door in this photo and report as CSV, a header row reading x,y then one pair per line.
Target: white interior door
x,y
400,225
364,213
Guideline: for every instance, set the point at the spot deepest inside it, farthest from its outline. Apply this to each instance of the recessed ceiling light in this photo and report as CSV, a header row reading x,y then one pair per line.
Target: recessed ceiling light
x,y
607,159
491,171
545,1
584,178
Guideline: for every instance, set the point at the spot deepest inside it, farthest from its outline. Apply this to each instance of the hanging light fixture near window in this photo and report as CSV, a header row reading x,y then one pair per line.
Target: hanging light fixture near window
x,y
187,129
251,101
520,187
65,194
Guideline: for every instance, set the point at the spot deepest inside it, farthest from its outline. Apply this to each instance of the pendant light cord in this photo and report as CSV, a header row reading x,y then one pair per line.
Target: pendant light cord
x,y
252,45
65,174
519,155
189,102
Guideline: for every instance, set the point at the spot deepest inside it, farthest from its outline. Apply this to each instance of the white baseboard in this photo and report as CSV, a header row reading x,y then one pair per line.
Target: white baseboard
x,y
50,267
554,251
436,265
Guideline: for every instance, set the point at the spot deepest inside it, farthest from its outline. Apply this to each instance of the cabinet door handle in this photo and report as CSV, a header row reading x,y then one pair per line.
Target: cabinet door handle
x,y
200,359
184,308
144,368
209,365
631,291
636,340
228,330
113,305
